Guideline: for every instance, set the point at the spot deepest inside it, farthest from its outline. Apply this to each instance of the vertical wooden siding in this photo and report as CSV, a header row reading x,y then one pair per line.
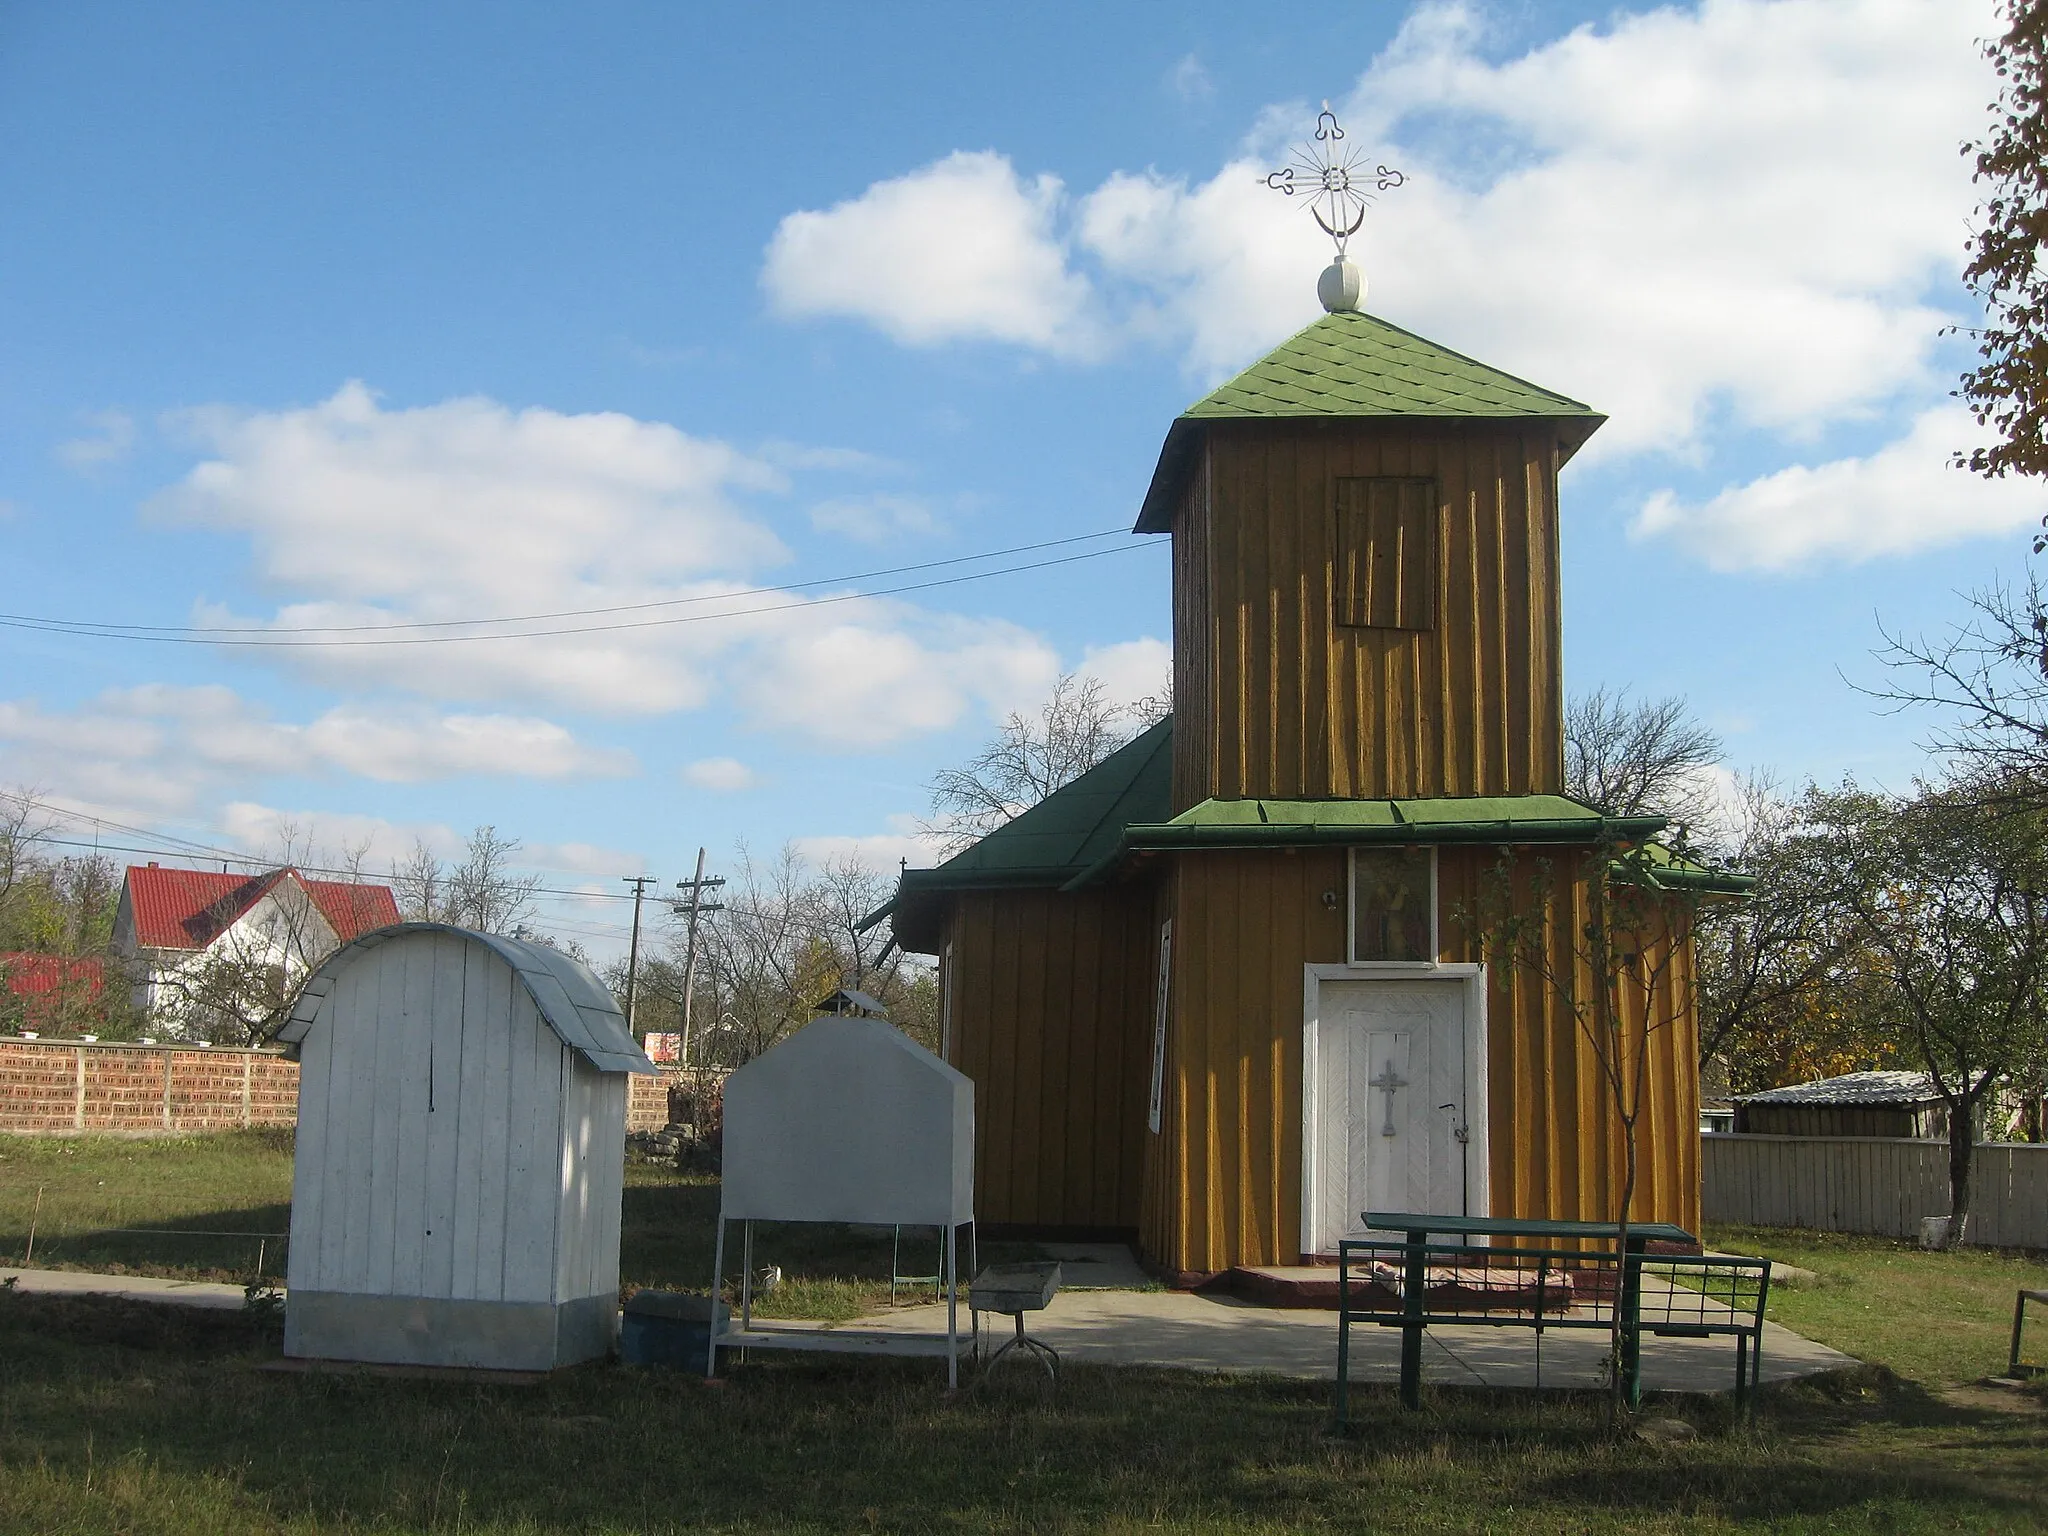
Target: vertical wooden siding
x,y
1557,1149
1224,1177
1223,1181
1051,1012
1274,698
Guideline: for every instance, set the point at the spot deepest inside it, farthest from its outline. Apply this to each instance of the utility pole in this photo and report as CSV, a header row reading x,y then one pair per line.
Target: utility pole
x,y
639,884
697,906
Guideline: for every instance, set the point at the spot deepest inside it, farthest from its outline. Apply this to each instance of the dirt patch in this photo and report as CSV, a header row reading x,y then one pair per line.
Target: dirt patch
x,y
115,1320
1982,1397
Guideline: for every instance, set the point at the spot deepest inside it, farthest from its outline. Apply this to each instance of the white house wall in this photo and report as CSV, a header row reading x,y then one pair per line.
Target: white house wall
x,y
284,928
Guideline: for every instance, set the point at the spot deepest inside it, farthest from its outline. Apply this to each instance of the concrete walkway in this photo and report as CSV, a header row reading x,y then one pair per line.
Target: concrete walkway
x,y
72,1282
1221,1333
1182,1330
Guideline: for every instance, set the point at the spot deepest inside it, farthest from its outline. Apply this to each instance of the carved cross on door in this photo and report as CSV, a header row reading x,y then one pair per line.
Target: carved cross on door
x,y
1388,1083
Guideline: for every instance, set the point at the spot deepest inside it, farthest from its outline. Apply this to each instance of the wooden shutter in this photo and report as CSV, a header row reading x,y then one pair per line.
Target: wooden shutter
x,y
1386,553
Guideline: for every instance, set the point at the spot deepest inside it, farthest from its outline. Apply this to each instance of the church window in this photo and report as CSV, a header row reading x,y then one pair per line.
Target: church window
x,y
1393,904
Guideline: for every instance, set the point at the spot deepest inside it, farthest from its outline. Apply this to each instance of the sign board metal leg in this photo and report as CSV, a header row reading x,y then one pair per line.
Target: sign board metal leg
x,y
952,1306
717,1285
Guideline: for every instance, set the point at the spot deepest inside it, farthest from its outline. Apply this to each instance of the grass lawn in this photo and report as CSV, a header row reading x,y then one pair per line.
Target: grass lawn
x,y
185,1189
1937,1318
126,1418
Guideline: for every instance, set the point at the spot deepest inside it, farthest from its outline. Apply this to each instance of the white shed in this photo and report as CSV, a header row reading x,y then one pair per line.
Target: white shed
x,y
848,1120
460,1153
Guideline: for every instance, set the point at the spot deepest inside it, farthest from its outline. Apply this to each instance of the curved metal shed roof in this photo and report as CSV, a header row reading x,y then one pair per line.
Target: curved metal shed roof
x,y
577,1006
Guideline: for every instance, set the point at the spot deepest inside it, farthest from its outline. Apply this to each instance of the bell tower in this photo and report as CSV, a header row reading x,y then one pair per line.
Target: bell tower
x,y
1365,558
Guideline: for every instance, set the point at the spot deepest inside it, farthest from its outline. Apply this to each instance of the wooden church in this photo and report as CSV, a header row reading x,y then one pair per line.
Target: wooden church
x,y
1214,994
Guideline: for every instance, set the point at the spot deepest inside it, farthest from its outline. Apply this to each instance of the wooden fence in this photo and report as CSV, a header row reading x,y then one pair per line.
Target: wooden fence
x,y
1867,1184
69,1086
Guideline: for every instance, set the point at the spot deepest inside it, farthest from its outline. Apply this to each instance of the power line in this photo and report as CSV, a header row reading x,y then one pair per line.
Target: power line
x,y
566,613
374,634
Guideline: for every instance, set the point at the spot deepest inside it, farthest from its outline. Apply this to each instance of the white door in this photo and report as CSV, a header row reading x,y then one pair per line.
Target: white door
x,y
1392,1084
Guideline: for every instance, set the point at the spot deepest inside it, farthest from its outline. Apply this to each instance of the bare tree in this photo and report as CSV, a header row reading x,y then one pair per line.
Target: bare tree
x,y
787,937
23,825
1769,964
1033,755
1640,758
1989,675
1604,935
239,991
480,892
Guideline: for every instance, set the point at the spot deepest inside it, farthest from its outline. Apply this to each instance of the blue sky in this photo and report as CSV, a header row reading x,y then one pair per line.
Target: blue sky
x,y
385,314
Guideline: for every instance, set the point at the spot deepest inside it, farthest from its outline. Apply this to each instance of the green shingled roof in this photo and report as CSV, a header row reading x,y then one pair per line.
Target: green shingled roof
x,y
1355,364
1065,834
1351,365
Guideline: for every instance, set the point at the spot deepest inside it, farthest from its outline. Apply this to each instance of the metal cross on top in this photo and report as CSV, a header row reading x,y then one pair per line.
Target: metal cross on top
x,y
1388,1082
1334,179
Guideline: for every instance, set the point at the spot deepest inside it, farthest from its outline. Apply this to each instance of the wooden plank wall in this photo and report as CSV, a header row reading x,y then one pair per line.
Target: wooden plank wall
x,y
1273,698
1052,1021
431,1157
1224,1177
1875,1185
1223,1181
1841,1120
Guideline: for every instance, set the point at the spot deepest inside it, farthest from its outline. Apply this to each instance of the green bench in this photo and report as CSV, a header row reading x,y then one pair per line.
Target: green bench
x,y
1540,1275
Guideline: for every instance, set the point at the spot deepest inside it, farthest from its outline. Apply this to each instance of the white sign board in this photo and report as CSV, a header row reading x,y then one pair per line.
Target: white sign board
x,y
849,1119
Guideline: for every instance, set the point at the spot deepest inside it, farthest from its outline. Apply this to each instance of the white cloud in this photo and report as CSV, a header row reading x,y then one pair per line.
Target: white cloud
x,y
163,749
1752,205
1131,669
961,248
720,775
1189,80
264,830
1905,497
883,852
437,515
863,681
584,859
874,519
113,441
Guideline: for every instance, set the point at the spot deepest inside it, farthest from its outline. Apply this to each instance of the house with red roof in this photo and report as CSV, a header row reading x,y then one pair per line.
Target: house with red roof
x,y
214,953
43,991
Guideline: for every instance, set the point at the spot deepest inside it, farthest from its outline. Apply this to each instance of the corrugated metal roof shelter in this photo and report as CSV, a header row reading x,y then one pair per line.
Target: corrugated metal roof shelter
x,y
1887,1104
848,1120
461,1142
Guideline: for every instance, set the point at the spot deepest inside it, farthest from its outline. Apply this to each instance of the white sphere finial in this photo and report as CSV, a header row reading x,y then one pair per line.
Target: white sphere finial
x,y
1342,286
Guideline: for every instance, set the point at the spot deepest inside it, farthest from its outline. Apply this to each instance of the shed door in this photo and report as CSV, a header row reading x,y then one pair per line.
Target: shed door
x,y
1391,1092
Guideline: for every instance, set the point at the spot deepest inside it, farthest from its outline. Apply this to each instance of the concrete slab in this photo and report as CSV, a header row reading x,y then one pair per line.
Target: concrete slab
x,y
1098,1266
1188,1331
71,1282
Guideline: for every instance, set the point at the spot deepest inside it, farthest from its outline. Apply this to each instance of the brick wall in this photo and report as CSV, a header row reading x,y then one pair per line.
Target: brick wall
x,y
48,1085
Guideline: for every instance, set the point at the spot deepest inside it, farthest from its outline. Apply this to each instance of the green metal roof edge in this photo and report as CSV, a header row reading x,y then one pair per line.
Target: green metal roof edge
x,y
1184,835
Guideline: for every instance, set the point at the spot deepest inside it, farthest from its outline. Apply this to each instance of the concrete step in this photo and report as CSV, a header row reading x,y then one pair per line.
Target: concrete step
x,y
1284,1285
